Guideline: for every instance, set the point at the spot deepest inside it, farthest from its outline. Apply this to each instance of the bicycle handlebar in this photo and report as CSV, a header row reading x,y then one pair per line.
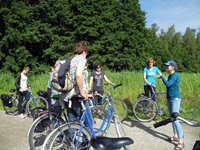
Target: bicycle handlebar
x,y
171,119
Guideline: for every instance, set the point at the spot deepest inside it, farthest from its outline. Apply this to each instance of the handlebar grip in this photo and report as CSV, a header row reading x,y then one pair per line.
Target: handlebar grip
x,y
117,85
161,123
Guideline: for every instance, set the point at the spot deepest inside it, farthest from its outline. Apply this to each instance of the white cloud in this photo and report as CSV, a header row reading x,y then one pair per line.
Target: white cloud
x,y
165,13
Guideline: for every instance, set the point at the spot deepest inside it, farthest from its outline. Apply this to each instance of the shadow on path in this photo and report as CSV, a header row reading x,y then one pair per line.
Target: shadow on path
x,y
148,128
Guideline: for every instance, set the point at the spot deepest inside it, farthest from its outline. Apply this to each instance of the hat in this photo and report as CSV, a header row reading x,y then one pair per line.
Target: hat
x,y
171,63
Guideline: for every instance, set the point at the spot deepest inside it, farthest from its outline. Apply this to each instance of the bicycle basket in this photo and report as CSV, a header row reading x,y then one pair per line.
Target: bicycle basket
x,y
7,100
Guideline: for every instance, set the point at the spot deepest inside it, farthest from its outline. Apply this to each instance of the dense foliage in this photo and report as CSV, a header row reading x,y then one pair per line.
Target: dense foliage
x,y
38,32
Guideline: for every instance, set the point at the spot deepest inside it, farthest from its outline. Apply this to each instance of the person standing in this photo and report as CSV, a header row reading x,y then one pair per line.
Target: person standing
x,y
50,89
173,101
149,73
22,89
79,76
97,76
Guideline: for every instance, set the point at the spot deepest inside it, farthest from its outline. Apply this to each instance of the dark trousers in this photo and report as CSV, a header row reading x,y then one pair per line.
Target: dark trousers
x,y
147,90
49,92
97,98
75,112
20,100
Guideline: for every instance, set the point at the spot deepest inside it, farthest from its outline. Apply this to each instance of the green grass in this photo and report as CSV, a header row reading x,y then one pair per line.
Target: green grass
x,y
129,91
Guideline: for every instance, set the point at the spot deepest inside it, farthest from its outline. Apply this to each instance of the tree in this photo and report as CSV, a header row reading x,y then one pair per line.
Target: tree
x,y
190,59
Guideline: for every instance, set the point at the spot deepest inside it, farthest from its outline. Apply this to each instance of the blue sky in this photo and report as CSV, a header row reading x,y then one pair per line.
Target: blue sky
x,y
165,13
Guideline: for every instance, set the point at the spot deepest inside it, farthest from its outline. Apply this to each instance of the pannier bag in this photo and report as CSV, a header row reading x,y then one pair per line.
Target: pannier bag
x,y
7,100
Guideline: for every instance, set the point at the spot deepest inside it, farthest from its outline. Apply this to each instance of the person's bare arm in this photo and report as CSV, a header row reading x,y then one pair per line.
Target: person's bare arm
x,y
79,79
91,81
107,80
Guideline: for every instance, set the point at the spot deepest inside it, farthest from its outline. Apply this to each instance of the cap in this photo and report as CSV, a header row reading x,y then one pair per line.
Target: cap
x,y
171,63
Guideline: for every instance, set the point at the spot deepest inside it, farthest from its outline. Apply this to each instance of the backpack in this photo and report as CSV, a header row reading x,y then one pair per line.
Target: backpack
x,y
61,80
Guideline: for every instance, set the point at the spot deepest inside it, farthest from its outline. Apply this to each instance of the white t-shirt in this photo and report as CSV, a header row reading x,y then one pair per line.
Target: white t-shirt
x,y
23,82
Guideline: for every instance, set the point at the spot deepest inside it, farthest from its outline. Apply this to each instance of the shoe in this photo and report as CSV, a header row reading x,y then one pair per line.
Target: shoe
x,y
171,139
21,116
179,146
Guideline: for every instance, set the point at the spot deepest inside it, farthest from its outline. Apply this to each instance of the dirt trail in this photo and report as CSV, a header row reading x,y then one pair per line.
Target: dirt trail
x,y
13,133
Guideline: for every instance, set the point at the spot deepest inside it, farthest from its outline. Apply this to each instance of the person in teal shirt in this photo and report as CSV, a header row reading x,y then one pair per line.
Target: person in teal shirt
x,y
173,101
149,77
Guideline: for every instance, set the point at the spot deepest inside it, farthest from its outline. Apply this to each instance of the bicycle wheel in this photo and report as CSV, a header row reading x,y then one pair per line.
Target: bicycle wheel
x,y
69,136
120,108
187,109
12,107
36,104
40,129
144,110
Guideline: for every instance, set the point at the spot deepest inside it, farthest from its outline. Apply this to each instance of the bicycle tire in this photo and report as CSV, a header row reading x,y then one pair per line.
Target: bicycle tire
x,y
40,129
187,109
120,108
12,109
142,110
35,104
66,135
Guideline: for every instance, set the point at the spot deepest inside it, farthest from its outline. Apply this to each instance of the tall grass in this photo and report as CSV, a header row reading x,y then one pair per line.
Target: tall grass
x,y
129,91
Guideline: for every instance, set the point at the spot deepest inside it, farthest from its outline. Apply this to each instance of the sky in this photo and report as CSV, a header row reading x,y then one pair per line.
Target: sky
x,y
165,13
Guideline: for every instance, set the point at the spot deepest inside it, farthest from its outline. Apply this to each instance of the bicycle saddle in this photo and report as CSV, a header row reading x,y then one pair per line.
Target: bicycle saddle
x,y
77,97
108,143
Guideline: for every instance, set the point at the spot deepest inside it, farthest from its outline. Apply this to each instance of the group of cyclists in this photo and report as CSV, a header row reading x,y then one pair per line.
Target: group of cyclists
x,y
79,75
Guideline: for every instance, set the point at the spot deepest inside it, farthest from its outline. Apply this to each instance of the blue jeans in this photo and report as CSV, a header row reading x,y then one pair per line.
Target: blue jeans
x,y
75,112
173,106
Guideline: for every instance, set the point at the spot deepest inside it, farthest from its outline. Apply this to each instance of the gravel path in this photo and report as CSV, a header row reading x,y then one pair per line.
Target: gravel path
x,y
13,133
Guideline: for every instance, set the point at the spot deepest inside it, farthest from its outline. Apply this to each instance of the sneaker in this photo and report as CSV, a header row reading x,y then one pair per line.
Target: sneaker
x,y
21,116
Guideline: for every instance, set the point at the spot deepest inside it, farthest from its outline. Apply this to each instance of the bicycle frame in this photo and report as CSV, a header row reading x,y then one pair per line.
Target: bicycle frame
x,y
152,98
85,118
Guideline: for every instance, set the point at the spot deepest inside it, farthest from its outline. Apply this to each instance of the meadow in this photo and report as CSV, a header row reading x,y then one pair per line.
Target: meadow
x,y
129,91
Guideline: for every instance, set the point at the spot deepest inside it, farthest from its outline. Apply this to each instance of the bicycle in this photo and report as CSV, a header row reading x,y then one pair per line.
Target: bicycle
x,y
75,135
46,122
119,105
146,109
32,103
49,120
